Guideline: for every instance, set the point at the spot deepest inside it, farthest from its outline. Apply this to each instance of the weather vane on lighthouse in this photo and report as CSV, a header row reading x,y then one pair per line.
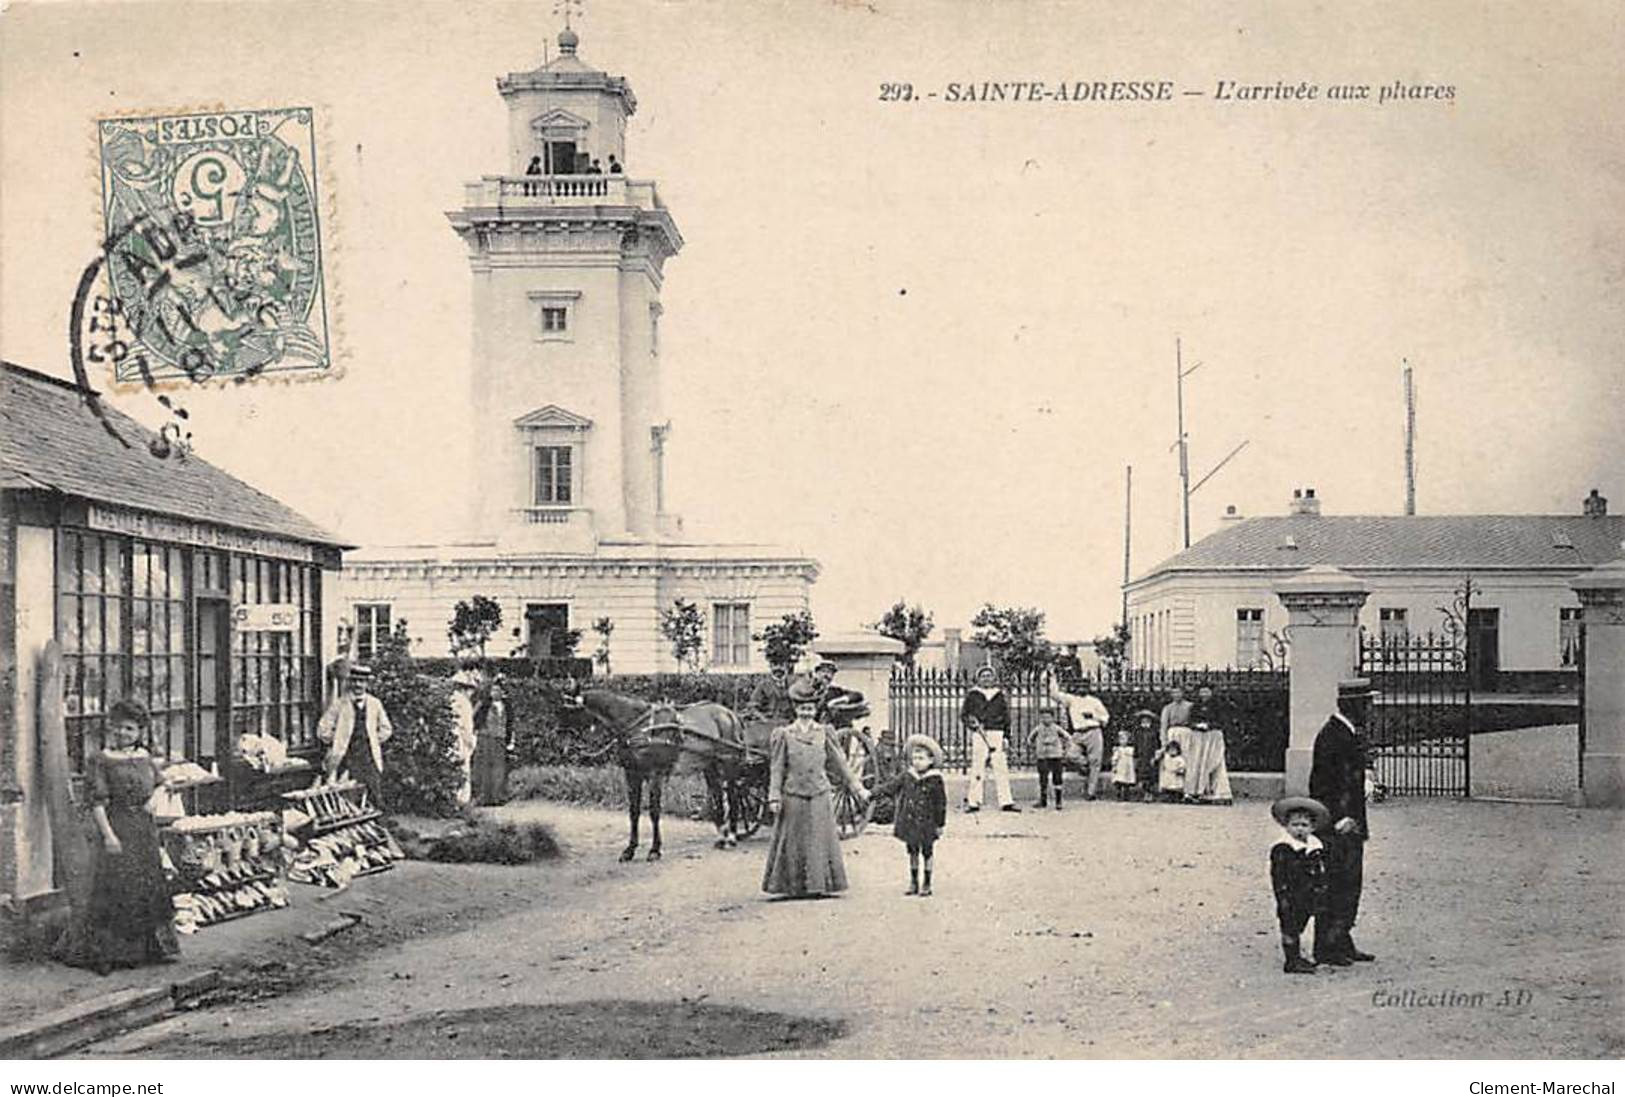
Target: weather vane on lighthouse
x,y
567,8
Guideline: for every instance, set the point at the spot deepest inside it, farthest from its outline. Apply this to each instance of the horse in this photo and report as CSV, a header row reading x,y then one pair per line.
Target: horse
x,y
652,740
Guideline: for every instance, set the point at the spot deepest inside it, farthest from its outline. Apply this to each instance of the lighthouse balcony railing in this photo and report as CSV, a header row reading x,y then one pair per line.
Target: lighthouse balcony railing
x,y
552,515
531,191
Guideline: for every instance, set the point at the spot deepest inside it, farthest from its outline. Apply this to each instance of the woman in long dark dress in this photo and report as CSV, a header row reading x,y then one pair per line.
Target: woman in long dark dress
x,y
490,762
804,857
129,918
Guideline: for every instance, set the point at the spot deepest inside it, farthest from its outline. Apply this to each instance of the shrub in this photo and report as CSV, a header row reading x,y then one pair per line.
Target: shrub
x,y
603,787
732,690
440,666
496,844
421,774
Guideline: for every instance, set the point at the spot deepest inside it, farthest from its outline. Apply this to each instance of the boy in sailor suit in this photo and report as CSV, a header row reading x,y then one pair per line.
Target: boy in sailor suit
x,y
1298,876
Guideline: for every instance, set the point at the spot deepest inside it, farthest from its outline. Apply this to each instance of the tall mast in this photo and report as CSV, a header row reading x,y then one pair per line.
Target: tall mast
x,y
1128,528
1184,452
1410,442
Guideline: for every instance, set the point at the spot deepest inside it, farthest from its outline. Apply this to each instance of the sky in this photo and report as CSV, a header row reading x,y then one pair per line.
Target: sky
x,y
921,341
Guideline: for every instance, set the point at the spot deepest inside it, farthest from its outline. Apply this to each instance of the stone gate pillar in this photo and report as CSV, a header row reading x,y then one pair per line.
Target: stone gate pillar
x,y
1323,618
865,660
1602,598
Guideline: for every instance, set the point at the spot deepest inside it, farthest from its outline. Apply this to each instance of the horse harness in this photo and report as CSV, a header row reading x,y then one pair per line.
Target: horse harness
x,y
664,738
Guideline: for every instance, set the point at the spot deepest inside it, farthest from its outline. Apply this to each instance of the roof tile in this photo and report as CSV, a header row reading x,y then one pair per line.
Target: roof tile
x,y
1412,541
52,439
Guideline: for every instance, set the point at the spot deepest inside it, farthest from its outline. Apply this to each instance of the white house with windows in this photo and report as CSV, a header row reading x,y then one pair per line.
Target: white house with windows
x,y
566,425
1214,604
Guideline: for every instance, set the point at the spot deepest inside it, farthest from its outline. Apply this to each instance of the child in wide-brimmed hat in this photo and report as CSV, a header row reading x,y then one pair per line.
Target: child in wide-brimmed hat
x,y
922,807
1297,874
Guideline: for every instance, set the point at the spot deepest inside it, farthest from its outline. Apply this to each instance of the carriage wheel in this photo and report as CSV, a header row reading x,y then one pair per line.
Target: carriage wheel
x,y
752,805
850,819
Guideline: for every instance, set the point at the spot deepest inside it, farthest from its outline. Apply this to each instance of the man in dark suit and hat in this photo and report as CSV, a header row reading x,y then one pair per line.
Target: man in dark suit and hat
x,y
836,705
1337,780
770,700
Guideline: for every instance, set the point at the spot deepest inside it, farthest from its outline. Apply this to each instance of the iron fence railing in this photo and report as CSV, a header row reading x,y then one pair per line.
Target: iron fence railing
x,y
1251,707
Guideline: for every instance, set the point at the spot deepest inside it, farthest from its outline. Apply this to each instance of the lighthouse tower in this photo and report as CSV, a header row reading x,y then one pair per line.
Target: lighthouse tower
x,y
568,256
567,528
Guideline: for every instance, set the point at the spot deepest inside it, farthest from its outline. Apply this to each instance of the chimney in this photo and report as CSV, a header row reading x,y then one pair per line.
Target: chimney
x,y
1305,503
950,648
1595,505
1231,515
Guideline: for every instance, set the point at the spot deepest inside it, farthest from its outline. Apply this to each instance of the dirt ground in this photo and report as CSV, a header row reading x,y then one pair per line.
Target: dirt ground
x,y
1108,930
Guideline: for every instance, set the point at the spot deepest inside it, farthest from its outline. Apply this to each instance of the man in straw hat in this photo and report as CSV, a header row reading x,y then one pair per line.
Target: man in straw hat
x,y
1337,780
986,716
1298,876
355,728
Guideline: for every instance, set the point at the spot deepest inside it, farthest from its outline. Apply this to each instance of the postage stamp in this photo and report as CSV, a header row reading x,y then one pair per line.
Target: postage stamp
x,y
213,253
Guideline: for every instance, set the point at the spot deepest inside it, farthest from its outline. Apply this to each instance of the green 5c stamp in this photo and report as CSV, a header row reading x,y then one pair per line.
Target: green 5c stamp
x,y
213,252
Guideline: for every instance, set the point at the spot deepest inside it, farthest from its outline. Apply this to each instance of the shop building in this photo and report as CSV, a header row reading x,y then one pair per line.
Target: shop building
x,y
565,421
163,579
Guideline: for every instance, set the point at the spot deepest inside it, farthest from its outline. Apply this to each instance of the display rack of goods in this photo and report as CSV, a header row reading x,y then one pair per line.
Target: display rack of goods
x,y
344,837
333,804
226,867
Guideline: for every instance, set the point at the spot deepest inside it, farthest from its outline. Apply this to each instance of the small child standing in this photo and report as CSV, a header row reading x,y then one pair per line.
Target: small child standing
x,y
1298,874
1123,776
1171,773
1050,742
922,807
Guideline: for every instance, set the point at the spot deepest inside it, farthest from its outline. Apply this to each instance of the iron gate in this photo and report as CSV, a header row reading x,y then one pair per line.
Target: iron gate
x,y
1419,730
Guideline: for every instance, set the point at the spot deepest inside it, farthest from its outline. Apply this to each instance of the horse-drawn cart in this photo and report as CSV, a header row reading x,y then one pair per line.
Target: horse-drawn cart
x,y
653,740
851,817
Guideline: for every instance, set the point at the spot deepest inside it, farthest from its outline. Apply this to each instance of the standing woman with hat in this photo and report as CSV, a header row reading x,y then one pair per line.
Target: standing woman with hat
x,y
355,729
804,856
489,765
129,917
464,685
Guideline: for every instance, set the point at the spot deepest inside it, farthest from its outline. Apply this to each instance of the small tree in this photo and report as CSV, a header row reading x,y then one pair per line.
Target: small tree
x,y
603,627
472,624
1015,635
784,640
1113,649
421,775
908,624
683,626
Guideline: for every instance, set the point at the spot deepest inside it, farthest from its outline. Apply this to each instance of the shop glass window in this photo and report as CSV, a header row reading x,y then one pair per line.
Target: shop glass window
x,y
93,592
129,620
275,676
730,634
158,642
